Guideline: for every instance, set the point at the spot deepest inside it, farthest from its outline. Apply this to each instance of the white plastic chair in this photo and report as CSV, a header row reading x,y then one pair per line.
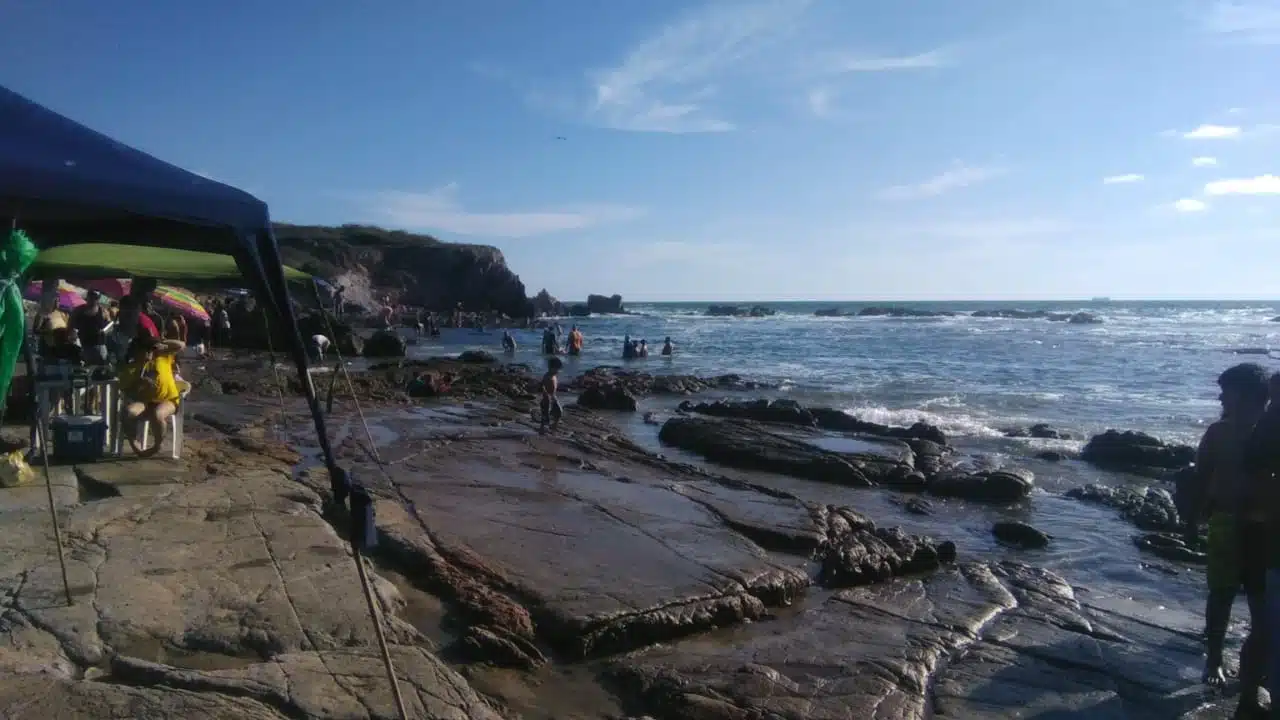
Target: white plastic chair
x,y
175,421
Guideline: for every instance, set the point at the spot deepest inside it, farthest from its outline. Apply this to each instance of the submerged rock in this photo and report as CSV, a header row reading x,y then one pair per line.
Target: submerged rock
x,y
1006,485
1020,534
476,357
1149,508
1171,546
1039,431
876,311
607,397
1137,453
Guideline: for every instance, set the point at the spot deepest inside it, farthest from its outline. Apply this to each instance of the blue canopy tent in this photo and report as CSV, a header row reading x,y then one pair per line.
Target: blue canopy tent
x,y
63,183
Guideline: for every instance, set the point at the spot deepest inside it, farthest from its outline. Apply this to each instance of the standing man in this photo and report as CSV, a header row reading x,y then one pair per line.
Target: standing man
x,y
90,322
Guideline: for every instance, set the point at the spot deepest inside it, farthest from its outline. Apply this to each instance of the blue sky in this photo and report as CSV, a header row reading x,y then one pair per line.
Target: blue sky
x,y
753,149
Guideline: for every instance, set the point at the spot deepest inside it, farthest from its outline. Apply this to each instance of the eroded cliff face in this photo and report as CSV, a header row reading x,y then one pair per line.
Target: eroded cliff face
x,y
416,269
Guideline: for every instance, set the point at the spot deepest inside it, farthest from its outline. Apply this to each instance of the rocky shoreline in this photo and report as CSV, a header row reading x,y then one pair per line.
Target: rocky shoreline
x,y
574,574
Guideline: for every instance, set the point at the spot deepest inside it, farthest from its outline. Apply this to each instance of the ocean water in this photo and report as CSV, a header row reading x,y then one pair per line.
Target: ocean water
x,y
1149,366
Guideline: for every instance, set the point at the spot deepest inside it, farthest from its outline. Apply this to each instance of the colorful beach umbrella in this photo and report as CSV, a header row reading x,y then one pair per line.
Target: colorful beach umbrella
x,y
181,301
69,296
175,298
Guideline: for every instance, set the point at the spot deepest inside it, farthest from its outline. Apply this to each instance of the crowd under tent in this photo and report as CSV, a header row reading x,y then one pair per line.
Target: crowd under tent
x,y
63,184
84,198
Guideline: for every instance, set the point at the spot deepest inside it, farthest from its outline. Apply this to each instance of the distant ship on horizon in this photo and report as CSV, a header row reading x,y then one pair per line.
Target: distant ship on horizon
x,y
1101,298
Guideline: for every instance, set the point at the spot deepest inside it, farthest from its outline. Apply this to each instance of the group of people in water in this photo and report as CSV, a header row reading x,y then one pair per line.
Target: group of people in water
x,y
572,343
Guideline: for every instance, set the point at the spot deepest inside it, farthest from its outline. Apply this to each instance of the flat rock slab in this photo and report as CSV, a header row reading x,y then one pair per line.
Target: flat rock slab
x,y
604,563
230,571
330,684
976,641
33,496
45,698
133,477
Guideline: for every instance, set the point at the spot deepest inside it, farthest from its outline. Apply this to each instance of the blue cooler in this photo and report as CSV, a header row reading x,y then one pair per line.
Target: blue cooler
x,y
78,438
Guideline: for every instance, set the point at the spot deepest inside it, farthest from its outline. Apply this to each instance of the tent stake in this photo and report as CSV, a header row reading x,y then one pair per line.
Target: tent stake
x,y
53,512
368,434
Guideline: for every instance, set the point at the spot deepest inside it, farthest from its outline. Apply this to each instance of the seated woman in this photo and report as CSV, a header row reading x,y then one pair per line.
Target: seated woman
x,y
151,388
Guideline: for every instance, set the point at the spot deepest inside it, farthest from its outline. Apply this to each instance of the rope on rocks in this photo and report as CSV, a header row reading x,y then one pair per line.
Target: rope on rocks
x,y
43,441
342,367
271,355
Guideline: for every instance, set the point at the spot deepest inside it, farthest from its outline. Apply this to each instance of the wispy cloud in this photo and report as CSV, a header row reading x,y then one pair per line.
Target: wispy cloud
x,y
1212,132
846,62
1247,21
440,210
957,177
1260,185
819,100
1204,161
1190,205
662,84
1123,179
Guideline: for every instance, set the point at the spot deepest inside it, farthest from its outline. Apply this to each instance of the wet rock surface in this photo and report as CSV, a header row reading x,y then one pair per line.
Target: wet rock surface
x,y
1148,508
514,567
1020,534
915,464
977,641
607,397
642,383
791,412
1137,453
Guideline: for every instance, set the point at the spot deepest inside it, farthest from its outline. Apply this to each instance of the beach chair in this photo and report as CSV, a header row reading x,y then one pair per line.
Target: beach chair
x,y
175,421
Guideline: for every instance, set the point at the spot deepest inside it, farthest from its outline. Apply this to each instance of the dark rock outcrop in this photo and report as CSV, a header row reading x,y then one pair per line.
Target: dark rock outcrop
x,y
249,330
791,412
738,311
1039,431
384,344
601,305
998,486
607,397
1137,453
1084,318
1172,546
830,312
476,357
1020,534
859,553
642,383
902,312
1150,509
424,271
744,445
579,311
545,304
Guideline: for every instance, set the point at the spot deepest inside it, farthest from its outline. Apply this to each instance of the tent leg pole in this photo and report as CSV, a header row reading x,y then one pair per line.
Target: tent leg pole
x,y
368,434
378,632
53,511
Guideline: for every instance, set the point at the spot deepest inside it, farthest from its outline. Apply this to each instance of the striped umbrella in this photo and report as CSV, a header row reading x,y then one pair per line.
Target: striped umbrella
x,y
175,298
69,296
181,301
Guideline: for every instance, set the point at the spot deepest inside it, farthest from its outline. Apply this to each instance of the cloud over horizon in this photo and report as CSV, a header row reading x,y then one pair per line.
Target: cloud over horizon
x,y
1123,179
439,210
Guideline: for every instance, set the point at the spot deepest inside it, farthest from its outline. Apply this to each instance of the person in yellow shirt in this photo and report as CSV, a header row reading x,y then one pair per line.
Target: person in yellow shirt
x,y
148,383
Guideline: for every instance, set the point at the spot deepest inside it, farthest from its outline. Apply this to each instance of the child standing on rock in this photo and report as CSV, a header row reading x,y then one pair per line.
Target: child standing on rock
x,y
550,404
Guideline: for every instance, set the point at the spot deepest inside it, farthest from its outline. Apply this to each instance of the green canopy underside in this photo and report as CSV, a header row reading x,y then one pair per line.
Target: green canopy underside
x,y
104,260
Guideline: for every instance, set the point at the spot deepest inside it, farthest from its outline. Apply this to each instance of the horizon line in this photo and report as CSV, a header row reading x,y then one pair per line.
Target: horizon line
x,y
886,301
